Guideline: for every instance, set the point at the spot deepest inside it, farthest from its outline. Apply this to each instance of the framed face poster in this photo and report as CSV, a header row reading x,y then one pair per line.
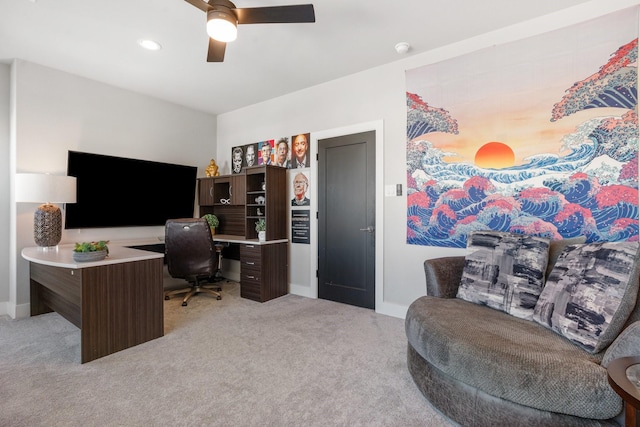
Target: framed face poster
x,y
251,155
282,156
300,188
237,159
300,151
265,156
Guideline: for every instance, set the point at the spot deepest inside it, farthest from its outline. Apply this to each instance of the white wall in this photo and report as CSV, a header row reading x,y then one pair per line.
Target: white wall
x,y
5,74
55,112
373,95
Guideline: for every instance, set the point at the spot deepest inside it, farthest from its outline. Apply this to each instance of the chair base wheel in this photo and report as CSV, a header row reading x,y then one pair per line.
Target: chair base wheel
x,y
167,297
218,297
184,304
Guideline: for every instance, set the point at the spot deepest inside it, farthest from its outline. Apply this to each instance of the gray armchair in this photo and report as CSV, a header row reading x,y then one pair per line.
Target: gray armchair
x,y
191,255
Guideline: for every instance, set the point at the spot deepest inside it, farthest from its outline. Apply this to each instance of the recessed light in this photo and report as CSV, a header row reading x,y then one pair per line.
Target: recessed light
x,y
149,44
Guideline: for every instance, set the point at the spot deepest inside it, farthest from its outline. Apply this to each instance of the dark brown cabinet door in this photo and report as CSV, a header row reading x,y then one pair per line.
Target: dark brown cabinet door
x,y
205,192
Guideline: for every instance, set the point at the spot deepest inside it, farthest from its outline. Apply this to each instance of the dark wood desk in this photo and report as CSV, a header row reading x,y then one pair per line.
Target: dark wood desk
x,y
117,303
263,267
620,382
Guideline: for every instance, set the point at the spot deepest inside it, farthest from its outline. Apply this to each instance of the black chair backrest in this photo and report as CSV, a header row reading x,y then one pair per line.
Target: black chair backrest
x,y
189,248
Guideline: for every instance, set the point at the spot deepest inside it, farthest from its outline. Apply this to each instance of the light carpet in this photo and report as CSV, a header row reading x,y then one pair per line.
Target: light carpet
x,y
292,361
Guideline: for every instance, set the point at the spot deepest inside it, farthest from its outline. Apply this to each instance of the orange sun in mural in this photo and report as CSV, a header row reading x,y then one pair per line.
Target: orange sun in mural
x,y
494,155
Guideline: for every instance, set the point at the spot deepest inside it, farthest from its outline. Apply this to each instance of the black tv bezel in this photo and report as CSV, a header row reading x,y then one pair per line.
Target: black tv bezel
x,y
132,192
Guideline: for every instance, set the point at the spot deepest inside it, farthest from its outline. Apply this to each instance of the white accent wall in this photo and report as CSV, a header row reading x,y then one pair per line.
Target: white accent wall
x,y
53,112
376,95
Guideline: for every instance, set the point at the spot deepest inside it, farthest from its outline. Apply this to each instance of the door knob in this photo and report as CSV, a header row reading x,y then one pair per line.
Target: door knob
x,y
369,229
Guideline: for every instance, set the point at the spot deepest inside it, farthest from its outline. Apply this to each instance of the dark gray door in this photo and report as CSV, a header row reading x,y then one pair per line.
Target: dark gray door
x,y
346,219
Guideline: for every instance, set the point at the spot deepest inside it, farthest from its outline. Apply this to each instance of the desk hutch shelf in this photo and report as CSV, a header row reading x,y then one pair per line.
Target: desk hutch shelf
x,y
239,201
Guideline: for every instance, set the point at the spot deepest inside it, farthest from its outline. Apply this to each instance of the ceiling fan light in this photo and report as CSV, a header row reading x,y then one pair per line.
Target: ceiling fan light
x,y
221,26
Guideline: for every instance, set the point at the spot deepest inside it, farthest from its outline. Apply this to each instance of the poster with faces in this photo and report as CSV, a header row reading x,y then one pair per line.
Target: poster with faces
x,y
286,152
266,152
300,151
299,184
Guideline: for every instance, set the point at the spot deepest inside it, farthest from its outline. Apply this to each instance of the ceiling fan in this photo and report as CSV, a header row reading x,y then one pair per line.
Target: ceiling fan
x,y
223,18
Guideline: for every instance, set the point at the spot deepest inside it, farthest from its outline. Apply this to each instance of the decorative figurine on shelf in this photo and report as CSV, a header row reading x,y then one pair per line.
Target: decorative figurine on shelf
x,y
212,169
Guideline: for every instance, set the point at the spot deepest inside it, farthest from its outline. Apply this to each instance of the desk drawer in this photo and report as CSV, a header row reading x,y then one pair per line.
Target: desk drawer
x,y
250,275
254,263
250,253
251,291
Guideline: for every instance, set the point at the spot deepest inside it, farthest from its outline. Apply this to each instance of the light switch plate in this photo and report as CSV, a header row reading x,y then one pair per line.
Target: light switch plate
x,y
389,190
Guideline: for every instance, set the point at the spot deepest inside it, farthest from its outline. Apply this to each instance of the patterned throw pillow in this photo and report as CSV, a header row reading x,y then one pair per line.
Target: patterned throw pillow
x,y
590,293
504,271
555,249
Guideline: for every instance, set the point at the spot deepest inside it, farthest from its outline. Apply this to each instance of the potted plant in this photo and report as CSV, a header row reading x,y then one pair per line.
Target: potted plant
x,y
90,251
261,228
213,222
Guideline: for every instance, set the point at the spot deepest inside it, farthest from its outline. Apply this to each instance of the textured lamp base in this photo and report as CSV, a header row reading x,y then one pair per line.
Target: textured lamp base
x,y
47,225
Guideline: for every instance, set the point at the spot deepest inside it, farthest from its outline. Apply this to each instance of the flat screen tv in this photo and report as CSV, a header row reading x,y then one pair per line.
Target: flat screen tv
x,y
120,192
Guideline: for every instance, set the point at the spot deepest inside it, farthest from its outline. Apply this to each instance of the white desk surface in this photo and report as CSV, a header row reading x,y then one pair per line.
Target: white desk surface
x,y
230,238
62,256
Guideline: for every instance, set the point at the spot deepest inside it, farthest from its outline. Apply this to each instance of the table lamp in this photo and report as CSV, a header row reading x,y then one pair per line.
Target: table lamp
x,y
39,188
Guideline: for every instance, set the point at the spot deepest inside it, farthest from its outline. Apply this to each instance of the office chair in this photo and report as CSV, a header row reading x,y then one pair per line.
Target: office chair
x,y
190,255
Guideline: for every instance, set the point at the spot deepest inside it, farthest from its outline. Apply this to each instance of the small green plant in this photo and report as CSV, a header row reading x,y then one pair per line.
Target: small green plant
x,y
92,246
261,225
212,220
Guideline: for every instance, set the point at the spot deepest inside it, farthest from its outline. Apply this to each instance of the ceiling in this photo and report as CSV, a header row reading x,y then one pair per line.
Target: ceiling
x,y
98,40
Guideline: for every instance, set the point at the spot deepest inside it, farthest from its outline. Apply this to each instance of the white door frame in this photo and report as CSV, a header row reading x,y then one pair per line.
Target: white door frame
x,y
378,127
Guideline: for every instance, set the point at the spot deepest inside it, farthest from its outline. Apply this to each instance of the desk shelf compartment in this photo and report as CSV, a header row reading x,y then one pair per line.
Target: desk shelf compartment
x,y
268,182
232,198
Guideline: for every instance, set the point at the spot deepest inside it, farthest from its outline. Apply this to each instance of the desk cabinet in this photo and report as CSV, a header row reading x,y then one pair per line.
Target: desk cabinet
x,y
205,191
222,190
263,271
258,192
116,306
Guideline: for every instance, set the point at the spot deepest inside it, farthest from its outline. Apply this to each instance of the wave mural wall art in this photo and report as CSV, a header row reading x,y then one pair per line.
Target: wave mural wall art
x,y
538,137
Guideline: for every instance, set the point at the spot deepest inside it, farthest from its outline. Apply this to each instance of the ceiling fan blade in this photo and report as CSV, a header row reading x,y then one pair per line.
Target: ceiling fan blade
x,y
200,4
276,14
216,50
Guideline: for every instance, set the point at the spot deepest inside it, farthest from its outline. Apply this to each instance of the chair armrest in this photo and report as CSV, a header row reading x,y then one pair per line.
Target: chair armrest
x,y
443,276
627,344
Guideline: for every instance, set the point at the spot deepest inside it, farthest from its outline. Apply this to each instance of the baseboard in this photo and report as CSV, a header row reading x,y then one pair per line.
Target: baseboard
x,y
386,308
392,309
303,291
21,311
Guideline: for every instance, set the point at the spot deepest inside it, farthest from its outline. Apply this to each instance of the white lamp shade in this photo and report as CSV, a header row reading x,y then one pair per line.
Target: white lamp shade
x,y
43,188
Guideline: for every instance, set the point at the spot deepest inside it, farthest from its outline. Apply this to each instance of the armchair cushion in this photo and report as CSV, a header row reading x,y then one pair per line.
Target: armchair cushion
x,y
510,358
626,345
590,293
504,271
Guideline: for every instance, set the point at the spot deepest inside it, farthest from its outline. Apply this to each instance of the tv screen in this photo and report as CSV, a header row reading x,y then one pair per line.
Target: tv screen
x,y
120,192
